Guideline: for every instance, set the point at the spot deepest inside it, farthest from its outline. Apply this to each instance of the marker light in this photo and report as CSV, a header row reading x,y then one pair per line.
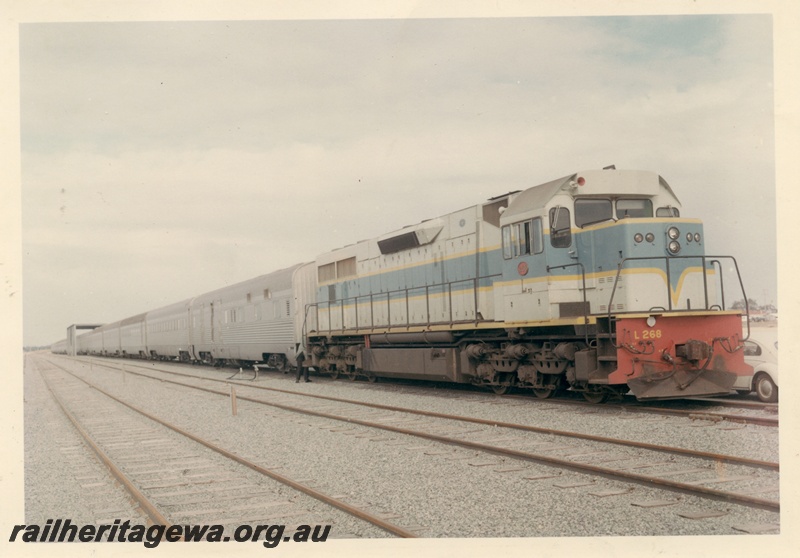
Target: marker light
x,y
697,237
637,238
650,237
689,237
581,181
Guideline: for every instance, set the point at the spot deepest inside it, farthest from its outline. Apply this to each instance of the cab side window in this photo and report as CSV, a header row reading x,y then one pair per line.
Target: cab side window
x,y
523,235
507,243
523,238
537,240
560,232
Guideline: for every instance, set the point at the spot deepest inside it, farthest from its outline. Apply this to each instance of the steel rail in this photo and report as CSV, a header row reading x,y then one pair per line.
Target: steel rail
x,y
347,508
759,421
155,517
733,403
741,499
488,422
639,407
633,408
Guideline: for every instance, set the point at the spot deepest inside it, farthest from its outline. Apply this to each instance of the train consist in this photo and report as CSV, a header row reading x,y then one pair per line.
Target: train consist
x,y
59,347
592,282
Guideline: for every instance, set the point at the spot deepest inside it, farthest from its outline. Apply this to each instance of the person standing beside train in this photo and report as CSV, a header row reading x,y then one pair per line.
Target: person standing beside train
x,y
302,369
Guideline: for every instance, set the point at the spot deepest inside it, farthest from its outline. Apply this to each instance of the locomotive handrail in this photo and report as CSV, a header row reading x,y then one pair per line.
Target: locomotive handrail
x,y
721,282
447,288
583,289
705,261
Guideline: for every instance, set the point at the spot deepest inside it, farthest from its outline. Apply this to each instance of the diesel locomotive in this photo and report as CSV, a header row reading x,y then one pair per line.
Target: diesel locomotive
x,y
593,282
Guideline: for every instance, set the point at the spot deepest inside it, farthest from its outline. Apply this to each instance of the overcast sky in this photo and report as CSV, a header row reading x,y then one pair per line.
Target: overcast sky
x,y
164,160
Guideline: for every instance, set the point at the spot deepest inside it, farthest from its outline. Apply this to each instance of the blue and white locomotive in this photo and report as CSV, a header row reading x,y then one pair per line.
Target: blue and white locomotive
x,y
592,282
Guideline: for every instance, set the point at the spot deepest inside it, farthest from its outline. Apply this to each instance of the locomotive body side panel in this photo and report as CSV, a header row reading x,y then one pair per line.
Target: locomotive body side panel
x,y
438,272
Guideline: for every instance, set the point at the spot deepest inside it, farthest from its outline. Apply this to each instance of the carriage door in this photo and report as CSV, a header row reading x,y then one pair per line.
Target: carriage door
x,y
216,321
195,328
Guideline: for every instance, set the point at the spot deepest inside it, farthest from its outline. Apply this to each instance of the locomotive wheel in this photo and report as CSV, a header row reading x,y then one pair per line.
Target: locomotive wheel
x,y
544,393
351,376
334,374
500,390
372,378
595,396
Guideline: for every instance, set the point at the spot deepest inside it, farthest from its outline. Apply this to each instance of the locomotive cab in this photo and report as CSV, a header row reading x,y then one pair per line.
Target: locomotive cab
x,y
607,252
563,242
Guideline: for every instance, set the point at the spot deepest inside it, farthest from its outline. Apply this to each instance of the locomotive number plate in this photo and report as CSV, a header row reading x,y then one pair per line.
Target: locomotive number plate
x,y
647,334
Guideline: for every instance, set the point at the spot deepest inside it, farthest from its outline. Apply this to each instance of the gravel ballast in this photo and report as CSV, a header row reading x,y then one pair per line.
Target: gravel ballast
x,y
451,492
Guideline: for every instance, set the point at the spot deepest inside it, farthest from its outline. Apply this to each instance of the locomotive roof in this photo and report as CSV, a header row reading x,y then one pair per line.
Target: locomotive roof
x,y
595,182
537,196
608,181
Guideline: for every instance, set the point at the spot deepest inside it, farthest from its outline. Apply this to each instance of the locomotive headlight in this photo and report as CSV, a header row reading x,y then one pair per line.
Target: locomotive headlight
x,y
697,237
674,247
649,237
637,238
673,233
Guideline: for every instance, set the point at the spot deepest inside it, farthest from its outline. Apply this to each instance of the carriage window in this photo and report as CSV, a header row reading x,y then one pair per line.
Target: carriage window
x,y
634,208
560,233
668,212
590,211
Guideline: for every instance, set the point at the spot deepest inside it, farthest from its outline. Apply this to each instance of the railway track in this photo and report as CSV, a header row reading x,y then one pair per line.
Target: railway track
x,y
735,403
57,456
698,407
700,471
169,473
705,415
